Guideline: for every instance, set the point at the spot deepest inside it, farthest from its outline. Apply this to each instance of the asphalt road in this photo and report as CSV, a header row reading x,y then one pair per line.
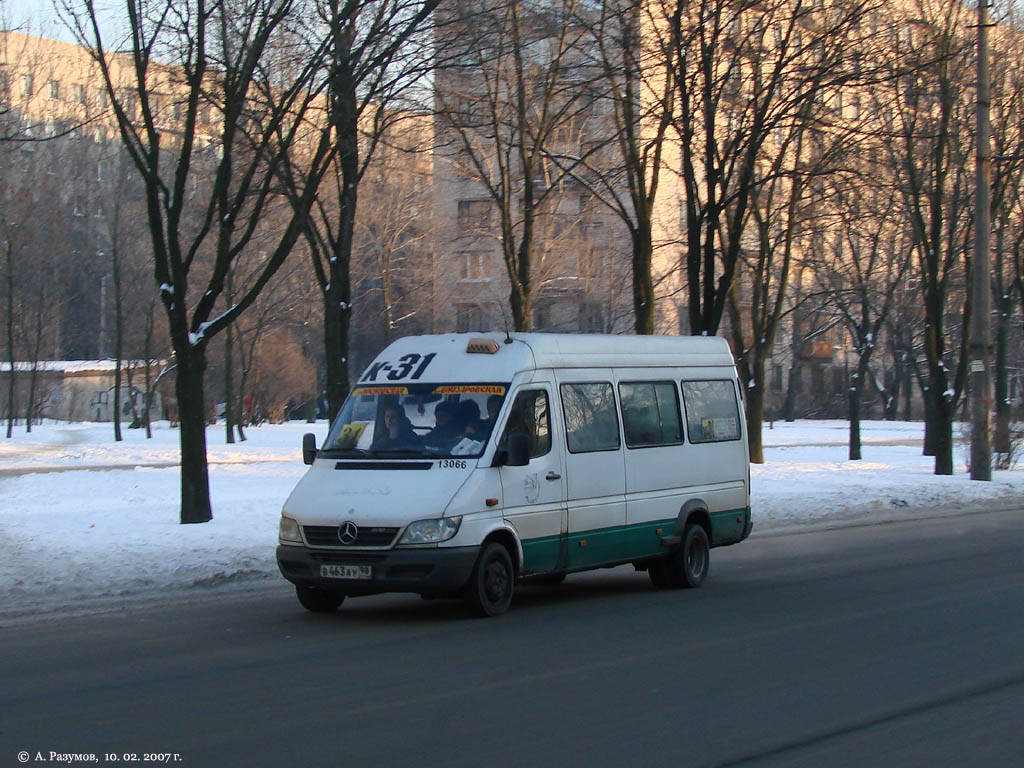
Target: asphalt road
x,y
893,645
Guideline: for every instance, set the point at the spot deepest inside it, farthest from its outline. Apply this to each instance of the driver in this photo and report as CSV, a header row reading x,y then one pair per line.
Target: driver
x,y
397,433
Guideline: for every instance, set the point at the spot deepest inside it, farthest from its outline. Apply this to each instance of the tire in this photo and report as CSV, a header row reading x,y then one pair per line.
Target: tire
x,y
695,557
688,566
489,591
319,600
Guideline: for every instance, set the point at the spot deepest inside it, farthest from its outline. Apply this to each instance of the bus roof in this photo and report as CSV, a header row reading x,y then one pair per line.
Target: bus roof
x,y
447,358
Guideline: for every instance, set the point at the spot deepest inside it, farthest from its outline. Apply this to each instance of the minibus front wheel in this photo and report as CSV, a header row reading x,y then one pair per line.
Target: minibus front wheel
x,y
319,600
489,591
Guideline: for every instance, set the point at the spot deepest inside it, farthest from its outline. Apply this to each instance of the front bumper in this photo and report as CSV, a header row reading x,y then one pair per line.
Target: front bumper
x,y
428,571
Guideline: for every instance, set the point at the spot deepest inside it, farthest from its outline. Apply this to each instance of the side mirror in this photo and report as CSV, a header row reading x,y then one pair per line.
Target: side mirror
x,y
518,449
308,448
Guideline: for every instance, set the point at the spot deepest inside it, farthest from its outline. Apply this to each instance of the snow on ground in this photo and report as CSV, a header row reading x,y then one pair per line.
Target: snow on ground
x,y
84,519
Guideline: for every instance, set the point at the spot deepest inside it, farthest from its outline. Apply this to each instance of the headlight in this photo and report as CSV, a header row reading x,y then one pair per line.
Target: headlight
x,y
431,531
288,531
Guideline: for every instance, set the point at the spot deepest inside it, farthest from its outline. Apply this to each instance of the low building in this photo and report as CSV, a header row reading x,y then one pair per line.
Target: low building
x,y
77,390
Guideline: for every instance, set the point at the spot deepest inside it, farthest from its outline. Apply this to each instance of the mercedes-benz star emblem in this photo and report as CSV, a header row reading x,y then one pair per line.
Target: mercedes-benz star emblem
x,y
348,532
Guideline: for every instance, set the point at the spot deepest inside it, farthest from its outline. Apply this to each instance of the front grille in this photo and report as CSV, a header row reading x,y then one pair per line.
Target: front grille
x,y
327,536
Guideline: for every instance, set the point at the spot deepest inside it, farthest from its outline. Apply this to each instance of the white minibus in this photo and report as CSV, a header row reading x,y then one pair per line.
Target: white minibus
x,y
462,464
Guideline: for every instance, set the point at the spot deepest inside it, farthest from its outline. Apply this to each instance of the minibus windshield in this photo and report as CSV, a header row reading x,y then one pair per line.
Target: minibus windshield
x,y
415,421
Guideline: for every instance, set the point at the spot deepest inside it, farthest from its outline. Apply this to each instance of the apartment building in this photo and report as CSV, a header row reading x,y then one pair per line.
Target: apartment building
x,y
819,97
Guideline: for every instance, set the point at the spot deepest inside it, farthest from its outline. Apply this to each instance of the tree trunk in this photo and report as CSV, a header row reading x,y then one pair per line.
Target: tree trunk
x,y
855,396
854,416
1002,436
643,286
118,341
195,480
31,401
908,395
943,439
792,388
12,379
229,411
148,351
33,378
521,304
336,338
930,424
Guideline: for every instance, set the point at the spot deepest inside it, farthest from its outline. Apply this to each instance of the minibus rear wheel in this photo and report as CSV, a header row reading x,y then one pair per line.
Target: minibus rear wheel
x,y
686,566
489,591
319,600
694,558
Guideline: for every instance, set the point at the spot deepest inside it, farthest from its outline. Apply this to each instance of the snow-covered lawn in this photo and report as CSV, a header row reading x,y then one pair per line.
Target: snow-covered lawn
x,y
84,519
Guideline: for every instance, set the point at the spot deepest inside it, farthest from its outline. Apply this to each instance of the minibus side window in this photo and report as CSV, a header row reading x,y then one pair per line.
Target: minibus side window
x,y
591,423
530,414
711,411
650,413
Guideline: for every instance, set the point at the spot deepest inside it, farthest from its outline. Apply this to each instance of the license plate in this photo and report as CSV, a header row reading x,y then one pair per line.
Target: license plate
x,y
346,571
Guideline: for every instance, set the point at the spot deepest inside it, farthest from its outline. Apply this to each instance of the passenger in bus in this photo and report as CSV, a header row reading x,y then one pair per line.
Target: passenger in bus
x,y
468,417
446,429
397,433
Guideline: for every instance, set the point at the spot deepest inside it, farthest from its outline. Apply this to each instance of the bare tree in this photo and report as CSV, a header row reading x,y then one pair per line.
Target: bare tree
x,y
1008,149
931,65
200,92
861,273
513,83
376,55
745,71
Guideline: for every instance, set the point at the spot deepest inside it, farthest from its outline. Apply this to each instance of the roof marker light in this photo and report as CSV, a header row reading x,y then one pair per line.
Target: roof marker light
x,y
482,346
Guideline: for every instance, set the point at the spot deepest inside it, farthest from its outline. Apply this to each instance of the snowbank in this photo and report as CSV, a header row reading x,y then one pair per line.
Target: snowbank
x,y
84,519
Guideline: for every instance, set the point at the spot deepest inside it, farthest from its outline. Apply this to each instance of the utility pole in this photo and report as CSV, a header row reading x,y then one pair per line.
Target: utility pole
x,y
981,298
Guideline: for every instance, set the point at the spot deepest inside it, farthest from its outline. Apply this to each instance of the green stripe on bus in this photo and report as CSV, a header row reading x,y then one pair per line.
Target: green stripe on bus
x,y
617,542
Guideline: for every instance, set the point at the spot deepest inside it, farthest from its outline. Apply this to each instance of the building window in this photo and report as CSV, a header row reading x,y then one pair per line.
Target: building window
x,y
683,311
26,85
817,379
469,317
542,316
78,93
55,89
591,320
474,215
473,265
